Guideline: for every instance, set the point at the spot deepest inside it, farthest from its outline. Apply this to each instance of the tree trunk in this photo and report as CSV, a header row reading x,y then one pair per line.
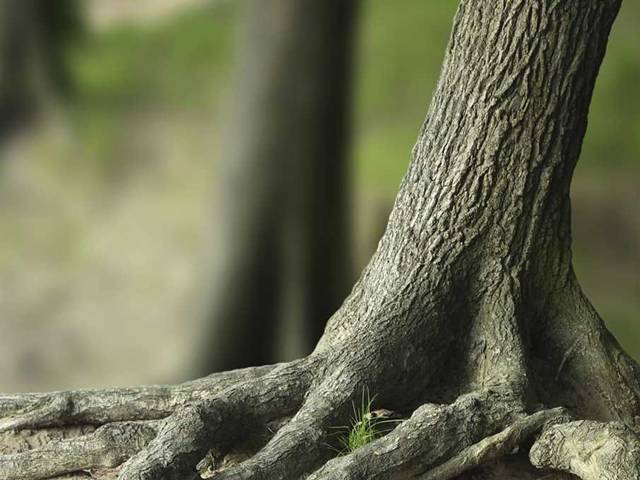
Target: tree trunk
x,y
468,318
32,36
283,202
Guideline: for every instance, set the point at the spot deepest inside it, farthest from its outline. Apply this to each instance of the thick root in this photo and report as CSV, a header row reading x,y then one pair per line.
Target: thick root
x,y
496,446
107,447
438,442
433,434
591,450
118,439
301,445
513,467
187,435
97,407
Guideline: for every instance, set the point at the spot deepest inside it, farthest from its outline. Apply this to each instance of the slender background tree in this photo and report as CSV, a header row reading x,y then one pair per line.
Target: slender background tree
x,y
283,185
33,34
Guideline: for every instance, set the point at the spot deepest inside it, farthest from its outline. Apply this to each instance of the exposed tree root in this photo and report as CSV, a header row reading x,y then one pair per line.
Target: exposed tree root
x,y
186,436
438,441
432,435
163,432
307,398
107,447
495,446
296,448
96,407
513,467
591,450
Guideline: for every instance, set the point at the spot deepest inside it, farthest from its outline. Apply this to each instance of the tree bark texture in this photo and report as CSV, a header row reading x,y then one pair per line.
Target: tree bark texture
x,y
468,321
283,184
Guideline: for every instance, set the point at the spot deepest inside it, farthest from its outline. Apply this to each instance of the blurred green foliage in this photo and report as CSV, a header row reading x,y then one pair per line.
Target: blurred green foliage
x,y
401,50
168,67
174,63
613,137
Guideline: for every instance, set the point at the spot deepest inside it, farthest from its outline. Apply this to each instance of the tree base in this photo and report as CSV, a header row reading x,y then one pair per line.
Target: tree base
x,y
284,415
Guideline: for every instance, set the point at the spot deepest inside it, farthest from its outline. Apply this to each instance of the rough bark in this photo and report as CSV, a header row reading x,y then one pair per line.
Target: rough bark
x,y
283,197
469,317
591,450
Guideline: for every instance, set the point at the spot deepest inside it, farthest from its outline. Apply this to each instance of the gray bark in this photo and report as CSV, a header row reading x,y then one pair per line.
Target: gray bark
x,y
468,318
283,183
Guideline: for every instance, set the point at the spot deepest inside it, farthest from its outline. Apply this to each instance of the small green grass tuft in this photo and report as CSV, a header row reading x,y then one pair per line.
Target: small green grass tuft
x,y
364,427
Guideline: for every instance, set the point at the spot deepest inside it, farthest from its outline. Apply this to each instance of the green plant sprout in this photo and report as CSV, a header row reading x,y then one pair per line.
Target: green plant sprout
x,y
366,425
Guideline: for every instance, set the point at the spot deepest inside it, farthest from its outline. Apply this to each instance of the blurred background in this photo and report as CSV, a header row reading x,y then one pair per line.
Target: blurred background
x,y
190,185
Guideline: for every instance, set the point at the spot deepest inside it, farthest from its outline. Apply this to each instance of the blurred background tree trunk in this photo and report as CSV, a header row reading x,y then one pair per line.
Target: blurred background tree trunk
x,y
283,260
33,34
